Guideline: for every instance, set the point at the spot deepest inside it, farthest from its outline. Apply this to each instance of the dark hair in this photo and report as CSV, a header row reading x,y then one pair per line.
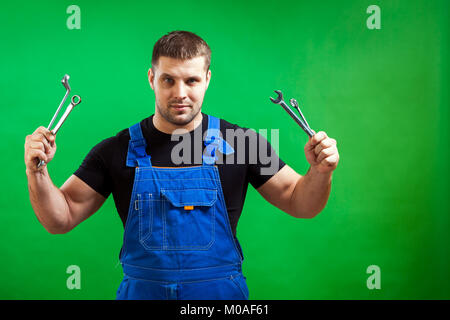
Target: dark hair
x,y
181,45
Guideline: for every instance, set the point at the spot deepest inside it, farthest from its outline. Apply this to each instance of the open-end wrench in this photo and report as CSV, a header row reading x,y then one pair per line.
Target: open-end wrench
x,y
279,100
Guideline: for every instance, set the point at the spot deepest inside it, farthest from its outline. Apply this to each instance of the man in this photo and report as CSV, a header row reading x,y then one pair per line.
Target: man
x,y
179,219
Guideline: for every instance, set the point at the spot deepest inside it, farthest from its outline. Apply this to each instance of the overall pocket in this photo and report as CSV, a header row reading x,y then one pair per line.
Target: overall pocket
x,y
240,282
188,218
150,224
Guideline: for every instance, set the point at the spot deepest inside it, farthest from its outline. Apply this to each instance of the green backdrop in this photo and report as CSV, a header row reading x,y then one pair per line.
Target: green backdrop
x,y
382,94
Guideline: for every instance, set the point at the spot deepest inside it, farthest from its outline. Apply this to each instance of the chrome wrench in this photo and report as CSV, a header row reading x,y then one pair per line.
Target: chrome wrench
x,y
75,100
302,123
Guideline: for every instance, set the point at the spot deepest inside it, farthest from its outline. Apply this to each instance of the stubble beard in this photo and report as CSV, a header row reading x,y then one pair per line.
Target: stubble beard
x,y
175,119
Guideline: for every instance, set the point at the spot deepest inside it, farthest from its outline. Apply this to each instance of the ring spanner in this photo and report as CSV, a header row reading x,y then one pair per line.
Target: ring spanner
x,y
75,100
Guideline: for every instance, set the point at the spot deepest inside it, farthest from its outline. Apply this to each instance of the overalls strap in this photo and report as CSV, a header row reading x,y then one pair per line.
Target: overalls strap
x,y
137,156
214,141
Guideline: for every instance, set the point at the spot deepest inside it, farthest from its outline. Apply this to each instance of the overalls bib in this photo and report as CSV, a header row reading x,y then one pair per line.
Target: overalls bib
x,y
178,242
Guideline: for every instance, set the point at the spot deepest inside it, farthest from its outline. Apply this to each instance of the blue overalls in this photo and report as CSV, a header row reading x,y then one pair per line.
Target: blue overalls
x,y
178,242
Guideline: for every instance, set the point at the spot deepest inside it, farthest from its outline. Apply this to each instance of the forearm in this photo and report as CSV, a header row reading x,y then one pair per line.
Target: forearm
x,y
311,194
48,202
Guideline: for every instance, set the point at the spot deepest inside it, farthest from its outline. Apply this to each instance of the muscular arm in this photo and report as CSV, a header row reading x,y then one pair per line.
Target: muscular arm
x,y
305,196
58,210
299,196
61,210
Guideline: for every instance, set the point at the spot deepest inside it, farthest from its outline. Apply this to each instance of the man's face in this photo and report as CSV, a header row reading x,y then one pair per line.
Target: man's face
x,y
179,87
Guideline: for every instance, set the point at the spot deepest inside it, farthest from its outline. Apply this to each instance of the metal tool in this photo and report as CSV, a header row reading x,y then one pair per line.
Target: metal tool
x,y
302,123
75,100
294,103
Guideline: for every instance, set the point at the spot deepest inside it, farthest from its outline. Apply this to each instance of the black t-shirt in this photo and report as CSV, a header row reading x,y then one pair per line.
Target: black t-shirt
x,y
104,168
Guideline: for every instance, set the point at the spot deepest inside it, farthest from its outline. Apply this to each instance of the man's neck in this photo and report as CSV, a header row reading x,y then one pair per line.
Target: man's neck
x,y
167,127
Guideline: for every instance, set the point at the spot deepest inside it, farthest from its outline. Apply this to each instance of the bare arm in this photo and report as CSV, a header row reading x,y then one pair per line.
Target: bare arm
x,y
299,196
305,196
58,210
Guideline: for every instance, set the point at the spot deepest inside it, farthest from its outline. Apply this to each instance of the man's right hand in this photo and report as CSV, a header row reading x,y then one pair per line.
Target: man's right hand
x,y
59,210
39,146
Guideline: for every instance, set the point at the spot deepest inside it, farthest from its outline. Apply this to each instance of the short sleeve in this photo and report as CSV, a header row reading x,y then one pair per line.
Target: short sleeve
x,y
94,169
267,163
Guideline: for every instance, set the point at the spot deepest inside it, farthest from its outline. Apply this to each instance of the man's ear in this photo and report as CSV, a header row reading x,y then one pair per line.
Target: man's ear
x,y
151,77
208,78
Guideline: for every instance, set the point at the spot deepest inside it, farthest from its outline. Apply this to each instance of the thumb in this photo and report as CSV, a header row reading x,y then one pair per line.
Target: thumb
x,y
310,138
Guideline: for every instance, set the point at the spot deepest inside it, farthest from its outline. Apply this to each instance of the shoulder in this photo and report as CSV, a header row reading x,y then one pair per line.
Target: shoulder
x,y
232,129
229,125
233,132
112,142
110,146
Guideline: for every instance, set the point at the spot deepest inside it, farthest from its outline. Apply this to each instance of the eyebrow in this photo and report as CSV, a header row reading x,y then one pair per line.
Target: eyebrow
x,y
170,76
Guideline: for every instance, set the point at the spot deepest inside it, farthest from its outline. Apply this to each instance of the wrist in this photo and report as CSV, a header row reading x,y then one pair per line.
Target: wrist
x,y
36,173
314,172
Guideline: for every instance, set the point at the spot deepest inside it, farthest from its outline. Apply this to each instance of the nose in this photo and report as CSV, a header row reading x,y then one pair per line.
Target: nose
x,y
180,91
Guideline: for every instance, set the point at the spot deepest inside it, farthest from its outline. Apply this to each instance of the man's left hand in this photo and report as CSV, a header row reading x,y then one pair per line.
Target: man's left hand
x,y
322,153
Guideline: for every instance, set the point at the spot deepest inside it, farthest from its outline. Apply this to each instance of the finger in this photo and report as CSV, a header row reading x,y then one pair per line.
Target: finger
x,y
42,138
309,146
34,154
47,145
324,144
311,142
310,137
37,145
39,137
318,137
330,161
325,153
46,133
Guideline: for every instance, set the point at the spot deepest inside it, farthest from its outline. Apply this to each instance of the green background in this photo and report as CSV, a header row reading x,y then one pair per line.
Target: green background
x,y
382,94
